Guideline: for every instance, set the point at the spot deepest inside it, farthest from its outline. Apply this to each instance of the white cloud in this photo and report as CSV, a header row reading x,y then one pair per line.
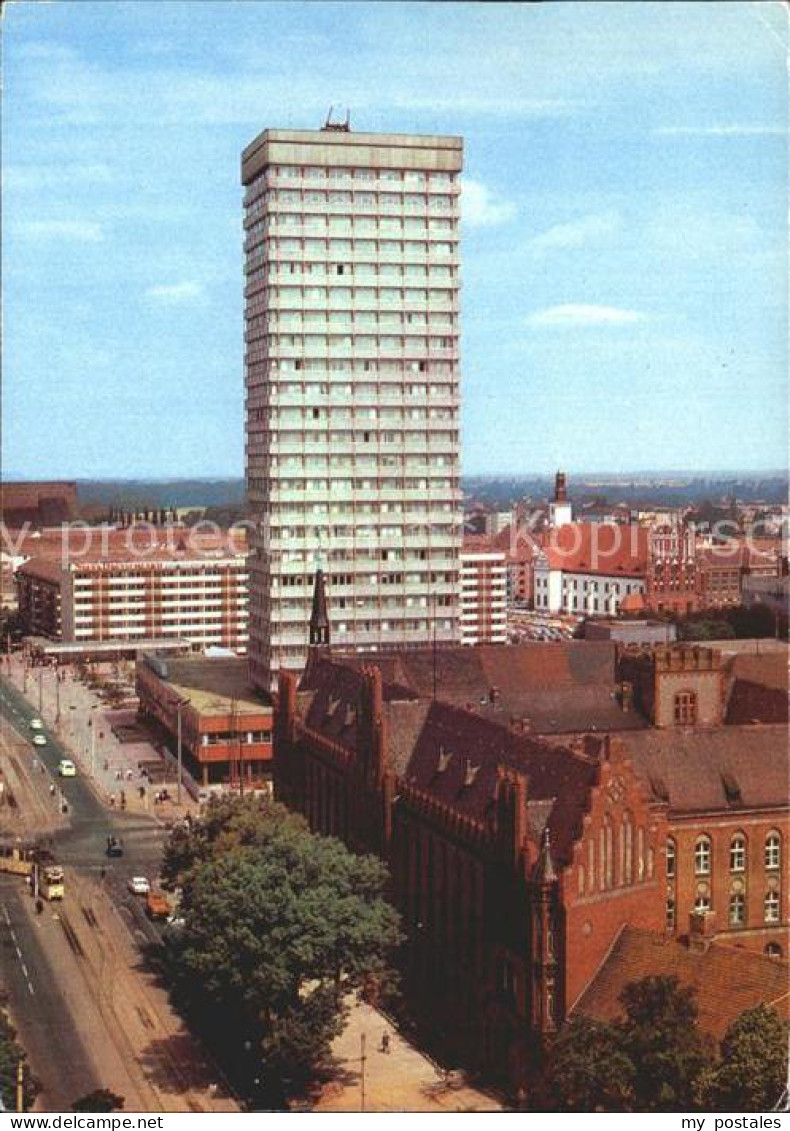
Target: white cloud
x,y
176,293
734,129
577,233
483,208
578,314
78,231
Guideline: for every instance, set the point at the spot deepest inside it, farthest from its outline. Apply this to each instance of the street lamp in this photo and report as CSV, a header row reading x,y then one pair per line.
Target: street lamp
x,y
179,705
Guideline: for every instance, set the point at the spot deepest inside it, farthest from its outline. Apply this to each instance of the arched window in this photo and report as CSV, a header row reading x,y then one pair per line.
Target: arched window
x,y
771,907
702,903
685,708
738,853
737,909
773,950
671,858
702,856
773,850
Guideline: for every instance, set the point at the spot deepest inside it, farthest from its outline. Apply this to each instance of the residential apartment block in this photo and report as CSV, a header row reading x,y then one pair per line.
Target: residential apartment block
x,y
197,595
352,388
483,593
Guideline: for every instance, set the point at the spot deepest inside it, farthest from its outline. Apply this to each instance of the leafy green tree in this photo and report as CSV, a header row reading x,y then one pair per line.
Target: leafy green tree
x,y
100,1100
280,928
11,1055
669,1053
588,1070
227,822
753,1068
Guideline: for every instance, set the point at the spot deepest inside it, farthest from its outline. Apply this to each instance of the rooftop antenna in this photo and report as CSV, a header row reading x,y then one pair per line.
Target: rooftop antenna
x,y
338,127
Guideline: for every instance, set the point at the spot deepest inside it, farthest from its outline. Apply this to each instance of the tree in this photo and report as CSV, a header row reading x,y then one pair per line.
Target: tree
x,y
11,1056
588,1070
654,1058
280,928
753,1068
669,1053
100,1100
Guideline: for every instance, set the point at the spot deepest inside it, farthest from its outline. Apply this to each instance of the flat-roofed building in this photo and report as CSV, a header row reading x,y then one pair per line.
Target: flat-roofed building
x,y
190,590
483,593
226,727
352,381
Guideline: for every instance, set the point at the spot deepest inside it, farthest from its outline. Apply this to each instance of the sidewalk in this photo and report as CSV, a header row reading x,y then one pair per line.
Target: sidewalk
x,y
83,724
402,1079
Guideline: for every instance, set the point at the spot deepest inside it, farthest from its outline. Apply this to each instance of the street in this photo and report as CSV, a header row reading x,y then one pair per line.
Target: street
x,y
89,1012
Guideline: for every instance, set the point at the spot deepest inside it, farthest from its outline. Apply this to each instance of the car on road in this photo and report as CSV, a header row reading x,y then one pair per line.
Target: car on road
x,y
36,724
66,768
39,740
114,846
139,885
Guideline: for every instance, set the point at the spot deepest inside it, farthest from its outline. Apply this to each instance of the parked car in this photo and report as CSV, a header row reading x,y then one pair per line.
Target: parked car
x,y
39,740
139,885
157,905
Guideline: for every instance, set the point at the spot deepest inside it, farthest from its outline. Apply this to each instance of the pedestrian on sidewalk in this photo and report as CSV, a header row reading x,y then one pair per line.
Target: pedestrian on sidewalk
x,y
112,800
385,1043
52,789
106,765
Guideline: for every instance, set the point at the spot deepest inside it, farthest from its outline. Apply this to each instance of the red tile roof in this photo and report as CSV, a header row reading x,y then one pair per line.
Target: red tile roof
x,y
728,768
605,548
728,979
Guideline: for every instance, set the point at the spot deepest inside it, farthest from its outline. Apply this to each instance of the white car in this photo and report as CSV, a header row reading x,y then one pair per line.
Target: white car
x,y
39,740
66,768
36,724
139,885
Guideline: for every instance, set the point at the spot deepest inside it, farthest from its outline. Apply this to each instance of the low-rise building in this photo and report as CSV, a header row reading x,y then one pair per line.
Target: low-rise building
x,y
518,859
590,568
226,727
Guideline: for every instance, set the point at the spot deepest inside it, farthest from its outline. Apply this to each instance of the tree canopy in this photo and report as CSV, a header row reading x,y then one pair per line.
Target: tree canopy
x,y
280,927
653,1059
11,1055
753,1069
101,1100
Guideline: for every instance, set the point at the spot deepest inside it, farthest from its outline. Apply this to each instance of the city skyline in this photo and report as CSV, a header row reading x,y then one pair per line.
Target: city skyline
x,y
624,215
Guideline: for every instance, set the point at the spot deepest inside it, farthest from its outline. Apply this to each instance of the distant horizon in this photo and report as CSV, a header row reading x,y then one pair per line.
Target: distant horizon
x,y
716,473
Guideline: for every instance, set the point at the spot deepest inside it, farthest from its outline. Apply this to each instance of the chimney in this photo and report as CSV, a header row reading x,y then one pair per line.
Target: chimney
x,y
702,930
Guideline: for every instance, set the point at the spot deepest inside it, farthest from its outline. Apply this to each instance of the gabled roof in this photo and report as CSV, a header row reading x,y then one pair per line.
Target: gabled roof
x,y
728,979
456,758
726,768
605,548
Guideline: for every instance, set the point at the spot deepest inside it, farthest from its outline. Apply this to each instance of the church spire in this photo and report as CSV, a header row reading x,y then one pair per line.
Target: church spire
x,y
319,617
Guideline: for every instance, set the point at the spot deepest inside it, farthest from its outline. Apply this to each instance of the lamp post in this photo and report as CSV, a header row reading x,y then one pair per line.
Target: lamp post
x,y
179,705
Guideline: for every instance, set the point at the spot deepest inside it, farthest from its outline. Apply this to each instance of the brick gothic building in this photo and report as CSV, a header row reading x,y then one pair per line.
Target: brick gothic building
x,y
517,860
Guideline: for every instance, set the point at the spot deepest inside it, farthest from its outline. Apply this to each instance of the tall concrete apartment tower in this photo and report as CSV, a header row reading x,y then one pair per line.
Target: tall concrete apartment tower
x,y
352,380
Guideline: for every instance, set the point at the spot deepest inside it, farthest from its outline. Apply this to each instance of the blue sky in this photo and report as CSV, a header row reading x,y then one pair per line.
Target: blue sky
x,y
624,238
